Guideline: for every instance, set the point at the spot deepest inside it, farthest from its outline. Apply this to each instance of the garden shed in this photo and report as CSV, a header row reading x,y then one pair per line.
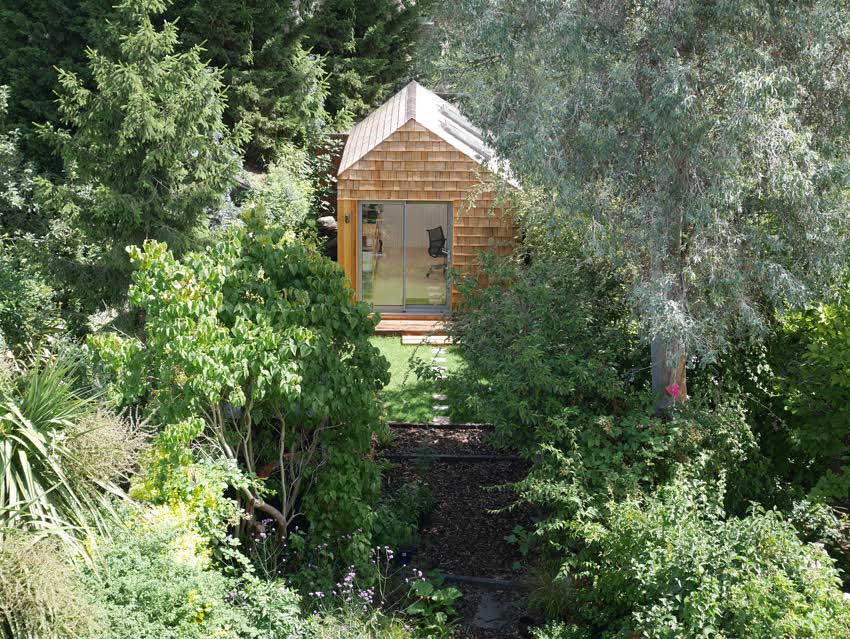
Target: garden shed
x,y
416,196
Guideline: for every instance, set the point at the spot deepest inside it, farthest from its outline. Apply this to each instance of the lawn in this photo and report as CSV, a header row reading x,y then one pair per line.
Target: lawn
x,y
408,398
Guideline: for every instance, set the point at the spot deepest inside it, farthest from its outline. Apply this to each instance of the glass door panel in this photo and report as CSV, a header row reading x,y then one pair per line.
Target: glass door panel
x,y
426,243
382,254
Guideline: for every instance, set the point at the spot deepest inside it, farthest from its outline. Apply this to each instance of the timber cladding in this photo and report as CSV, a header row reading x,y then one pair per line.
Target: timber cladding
x,y
414,164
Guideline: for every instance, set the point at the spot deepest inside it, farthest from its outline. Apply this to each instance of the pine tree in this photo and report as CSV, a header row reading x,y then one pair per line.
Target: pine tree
x,y
147,153
367,46
275,86
39,36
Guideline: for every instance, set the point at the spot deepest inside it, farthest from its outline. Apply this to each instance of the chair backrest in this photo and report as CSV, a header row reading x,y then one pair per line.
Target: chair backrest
x,y
436,241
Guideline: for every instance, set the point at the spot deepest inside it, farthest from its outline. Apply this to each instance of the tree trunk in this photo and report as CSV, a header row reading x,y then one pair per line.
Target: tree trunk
x,y
669,374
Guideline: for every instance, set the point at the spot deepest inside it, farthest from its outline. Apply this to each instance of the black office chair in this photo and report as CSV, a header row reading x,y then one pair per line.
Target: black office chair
x,y
437,248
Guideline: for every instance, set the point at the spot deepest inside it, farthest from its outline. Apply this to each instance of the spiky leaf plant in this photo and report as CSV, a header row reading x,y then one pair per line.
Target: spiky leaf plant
x,y
56,452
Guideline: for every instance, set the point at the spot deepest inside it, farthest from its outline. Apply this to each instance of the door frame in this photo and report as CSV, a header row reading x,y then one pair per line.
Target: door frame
x,y
404,307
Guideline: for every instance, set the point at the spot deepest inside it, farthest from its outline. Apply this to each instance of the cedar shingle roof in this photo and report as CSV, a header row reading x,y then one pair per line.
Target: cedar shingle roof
x,y
415,102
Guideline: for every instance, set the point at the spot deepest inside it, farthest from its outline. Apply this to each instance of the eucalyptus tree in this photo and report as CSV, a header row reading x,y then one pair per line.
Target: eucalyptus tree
x,y
703,145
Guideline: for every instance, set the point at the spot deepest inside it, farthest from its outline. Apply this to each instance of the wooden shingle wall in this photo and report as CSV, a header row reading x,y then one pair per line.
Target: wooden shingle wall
x,y
414,164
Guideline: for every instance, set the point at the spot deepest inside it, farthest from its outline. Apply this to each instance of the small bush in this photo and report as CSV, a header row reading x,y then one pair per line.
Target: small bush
x,y
584,460
674,565
29,314
40,595
147,594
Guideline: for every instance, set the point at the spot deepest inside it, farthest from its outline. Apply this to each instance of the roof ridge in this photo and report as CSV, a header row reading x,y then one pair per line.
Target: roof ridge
x,y
410,101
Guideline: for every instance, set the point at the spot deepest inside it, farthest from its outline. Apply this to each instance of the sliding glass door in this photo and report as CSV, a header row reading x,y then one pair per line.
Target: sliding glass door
x,y
404,255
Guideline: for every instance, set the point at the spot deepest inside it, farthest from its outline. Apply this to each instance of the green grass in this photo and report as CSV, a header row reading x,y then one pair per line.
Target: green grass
x,y
408,398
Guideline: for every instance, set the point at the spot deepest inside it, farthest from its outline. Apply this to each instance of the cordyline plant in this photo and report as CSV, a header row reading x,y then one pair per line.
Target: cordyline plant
x,y
702,145
260,337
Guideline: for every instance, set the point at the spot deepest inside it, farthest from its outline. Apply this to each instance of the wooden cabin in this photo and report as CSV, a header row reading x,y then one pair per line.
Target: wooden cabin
x,y
415,198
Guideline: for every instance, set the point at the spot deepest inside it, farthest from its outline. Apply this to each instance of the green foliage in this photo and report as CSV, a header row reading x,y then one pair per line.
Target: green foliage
x,y
276,86
674,565
259,336
288,190
29,314
367,47
40,36
190,487
526,359
433,608
584,460
147,153
817,395
62,456
703,145
398,515
41,596
353,624
147,593
16,174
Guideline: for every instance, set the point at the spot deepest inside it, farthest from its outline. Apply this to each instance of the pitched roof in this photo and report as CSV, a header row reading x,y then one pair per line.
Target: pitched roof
x,y
415,102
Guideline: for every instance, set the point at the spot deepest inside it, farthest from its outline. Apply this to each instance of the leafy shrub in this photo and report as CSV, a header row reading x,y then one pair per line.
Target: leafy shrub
x,y
816,392
526,358
187,486
28,313
584,459
259,337
40,594
147,594
288,191
674,565
398,516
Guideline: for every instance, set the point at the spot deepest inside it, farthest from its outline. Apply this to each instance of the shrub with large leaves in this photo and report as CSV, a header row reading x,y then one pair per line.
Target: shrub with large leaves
x,y
260,337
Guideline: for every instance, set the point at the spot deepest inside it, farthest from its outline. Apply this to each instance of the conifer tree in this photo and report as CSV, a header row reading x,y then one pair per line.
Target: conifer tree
x,y
367,46
275,86
147,153
39,36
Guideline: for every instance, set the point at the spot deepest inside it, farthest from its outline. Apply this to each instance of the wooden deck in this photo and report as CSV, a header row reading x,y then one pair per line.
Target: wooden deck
x,y
409,326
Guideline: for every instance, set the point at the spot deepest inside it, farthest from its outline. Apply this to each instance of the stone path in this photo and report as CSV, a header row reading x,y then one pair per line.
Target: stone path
x,y
440,408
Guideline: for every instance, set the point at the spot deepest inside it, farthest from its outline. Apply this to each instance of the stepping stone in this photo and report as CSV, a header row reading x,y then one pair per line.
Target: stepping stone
x,y
441,420
441,360
416,340
497,611
440,397
440,407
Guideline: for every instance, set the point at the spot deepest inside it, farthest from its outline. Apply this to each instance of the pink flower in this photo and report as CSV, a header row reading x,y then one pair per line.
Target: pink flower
x,y
674,390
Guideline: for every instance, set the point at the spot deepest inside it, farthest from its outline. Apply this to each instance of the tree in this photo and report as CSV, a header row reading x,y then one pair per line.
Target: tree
x,y
702,144
258,335
275,84
38,36
367,47
147,154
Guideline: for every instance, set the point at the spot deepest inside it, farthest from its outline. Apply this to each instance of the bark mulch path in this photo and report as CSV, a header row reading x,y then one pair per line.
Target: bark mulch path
x,y
462,535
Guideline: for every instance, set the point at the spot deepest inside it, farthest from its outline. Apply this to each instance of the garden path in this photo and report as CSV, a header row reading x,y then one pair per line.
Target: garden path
x,y
463,537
